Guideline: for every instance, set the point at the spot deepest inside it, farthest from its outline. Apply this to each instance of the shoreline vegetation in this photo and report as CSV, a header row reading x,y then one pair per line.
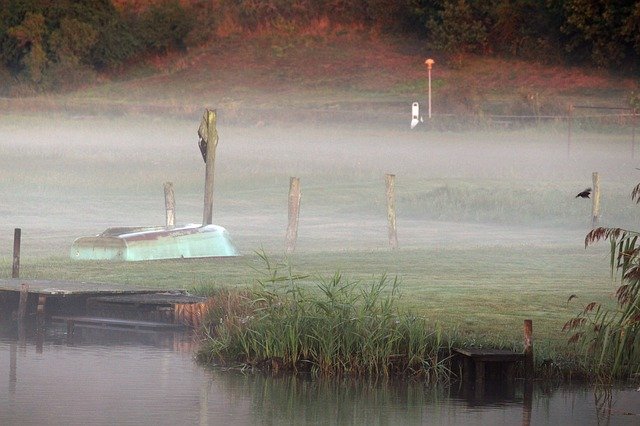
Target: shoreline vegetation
x,y
340,328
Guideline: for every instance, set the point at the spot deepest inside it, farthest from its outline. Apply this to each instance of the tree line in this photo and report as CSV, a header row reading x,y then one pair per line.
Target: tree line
x,y
47,44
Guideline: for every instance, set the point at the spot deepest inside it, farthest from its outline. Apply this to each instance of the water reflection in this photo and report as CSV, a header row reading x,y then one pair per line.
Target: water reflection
x,y
113,377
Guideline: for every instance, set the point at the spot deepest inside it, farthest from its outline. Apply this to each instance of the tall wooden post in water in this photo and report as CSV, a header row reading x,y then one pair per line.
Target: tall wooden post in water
x,y
208,142
595,208
528,350
15,271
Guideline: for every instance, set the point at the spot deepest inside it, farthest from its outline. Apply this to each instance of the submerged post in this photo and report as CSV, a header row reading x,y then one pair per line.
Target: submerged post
x,y
294,214
208,142
170,204
595,204
391,209
15,271
40,312
22,304
528,350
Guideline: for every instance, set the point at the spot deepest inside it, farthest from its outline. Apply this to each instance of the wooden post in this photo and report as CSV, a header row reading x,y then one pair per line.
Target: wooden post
x,y
528,350
15,271
40,312
294,214
595,206
391,209
170,204
208,143
633,134
24,297
570,126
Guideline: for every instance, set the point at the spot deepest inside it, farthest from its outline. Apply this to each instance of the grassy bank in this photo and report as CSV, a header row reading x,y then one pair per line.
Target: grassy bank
x,y
337,327
482,292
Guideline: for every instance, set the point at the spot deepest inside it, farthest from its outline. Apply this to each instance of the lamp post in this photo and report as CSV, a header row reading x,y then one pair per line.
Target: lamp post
x,y
429,62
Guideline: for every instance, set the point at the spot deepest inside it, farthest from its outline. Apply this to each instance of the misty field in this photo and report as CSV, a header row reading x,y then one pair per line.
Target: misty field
x,y
489,230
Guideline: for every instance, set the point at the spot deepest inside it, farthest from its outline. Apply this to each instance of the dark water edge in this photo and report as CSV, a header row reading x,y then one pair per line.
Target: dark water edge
x,y
129,377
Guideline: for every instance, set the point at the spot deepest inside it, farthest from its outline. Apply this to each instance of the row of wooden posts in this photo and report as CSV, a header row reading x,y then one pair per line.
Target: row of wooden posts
x,y
294,212
295,196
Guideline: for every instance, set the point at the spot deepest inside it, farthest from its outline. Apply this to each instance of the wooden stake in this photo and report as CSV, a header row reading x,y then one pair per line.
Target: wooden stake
x,y
208,143
391,209
24,297
528,350
569,125
633,134
15,271
294,214
40,312
595,207
170,204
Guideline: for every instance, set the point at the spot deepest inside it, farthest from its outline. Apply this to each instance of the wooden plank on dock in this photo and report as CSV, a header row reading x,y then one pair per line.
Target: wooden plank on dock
x,y
61,287
490,355
166,298
72,321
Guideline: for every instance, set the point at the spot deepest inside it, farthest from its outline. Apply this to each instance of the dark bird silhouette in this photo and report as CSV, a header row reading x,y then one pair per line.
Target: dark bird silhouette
x,y
585,193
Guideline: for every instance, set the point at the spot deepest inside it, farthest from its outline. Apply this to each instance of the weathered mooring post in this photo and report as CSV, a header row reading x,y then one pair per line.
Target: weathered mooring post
x,y
528,350
391,209
595,204
40,312
208,142
15,271
294,214
170,204
22,304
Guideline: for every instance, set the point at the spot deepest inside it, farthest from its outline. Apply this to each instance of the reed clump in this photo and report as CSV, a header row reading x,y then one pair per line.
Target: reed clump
x,y
331,327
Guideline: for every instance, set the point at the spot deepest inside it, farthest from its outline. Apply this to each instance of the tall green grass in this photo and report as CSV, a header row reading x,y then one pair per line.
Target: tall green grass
x,y
334,327
609,338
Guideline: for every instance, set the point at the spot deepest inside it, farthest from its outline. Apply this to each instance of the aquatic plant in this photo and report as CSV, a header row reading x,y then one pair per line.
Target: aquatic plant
x,y
331,327
611,337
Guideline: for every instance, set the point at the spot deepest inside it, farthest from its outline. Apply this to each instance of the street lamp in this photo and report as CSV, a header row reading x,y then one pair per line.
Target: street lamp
x,y
429,62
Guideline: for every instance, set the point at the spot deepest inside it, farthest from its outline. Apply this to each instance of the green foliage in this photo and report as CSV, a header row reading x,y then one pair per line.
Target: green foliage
x,y
30,36
457,28
164,26
608,33
55,44
335,327
611,337
42,41
524,28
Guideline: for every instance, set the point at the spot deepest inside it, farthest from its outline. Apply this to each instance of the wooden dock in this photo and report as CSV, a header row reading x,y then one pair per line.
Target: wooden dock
x,y
108,304
475,362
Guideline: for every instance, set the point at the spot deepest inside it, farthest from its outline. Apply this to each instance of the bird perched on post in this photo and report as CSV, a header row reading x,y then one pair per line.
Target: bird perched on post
x,y
585,193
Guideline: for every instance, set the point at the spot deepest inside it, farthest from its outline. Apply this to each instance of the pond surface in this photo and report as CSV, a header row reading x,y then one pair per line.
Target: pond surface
x,y
119,377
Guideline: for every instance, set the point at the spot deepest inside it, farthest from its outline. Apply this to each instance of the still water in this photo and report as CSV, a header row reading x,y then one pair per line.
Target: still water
x,y
119,377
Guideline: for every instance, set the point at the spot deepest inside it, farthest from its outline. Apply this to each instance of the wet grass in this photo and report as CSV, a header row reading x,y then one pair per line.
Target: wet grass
x,y
480,293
